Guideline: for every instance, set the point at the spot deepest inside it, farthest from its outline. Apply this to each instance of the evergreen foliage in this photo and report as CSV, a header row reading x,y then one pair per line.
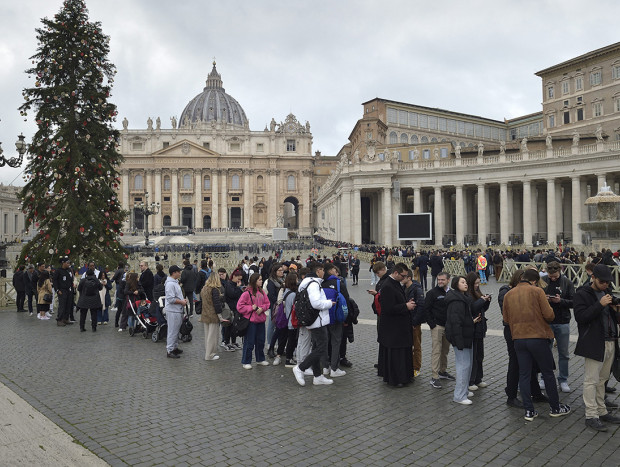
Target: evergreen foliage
x,y
70,198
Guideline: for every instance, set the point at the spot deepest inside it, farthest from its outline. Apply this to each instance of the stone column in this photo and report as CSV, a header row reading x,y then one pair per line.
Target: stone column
x,y
438,214
576,209
247,206
527,212
460,215
356,223
483,227
346,216
215,199
174,196
551,218
387,216
125,194
157,198
417,199
602,180
224,200
148,176
503,213
272,196
198,199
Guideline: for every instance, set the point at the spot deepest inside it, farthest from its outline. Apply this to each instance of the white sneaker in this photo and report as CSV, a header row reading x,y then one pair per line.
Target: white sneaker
x,y
31,313
48,314
247,366
277,360
326,371
337,373
215,357
223,345
120,329
321,380
482,384
473,387
263,363
299,375
470,394
309,372
541,384
564,387
38,316
464,402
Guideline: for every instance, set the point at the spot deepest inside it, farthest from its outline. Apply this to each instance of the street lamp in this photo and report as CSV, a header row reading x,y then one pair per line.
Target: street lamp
x,y
147,209
15,161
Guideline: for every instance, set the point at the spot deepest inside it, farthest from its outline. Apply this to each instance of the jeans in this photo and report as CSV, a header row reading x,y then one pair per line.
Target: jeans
x,y
335,337
373,278
530,351
562,334
254,340
29,295
483,275
424,278
291,342
512,375
463,360
318,353
21,298
102,315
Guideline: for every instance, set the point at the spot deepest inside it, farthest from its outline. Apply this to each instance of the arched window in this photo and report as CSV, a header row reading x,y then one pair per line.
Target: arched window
x,y
137,182
393,138
187,181
414,139
167,221
404,138
260,182
206,222
434,140
166,183
290,183
424,139
207,183
235,182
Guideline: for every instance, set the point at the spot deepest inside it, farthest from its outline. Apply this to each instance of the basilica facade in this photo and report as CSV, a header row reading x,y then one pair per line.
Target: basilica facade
x,y
210,171
486,182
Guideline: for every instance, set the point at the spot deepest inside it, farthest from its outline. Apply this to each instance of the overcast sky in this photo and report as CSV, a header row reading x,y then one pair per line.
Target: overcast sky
x,y
319,59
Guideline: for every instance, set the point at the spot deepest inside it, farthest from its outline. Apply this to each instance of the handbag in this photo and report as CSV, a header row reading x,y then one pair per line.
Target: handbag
x,y
241,323
48,297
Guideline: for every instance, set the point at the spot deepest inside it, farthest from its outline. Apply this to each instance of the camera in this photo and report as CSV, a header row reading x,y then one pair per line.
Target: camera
x,y
615,300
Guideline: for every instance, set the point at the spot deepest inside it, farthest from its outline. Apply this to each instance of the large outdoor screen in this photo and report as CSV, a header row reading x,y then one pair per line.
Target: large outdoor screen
x,y
415,226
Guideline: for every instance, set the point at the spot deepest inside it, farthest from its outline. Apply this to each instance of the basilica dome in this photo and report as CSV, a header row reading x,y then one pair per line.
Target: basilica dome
x,y
213,104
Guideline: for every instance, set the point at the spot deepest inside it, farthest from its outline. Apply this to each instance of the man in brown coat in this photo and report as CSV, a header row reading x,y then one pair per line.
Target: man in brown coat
x,y
528,313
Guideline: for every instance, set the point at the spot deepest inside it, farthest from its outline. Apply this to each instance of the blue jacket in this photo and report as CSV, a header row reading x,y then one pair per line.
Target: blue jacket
x,y
331,292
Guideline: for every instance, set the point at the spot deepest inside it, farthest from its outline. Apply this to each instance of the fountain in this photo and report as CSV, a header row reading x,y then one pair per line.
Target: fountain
x,y
603,228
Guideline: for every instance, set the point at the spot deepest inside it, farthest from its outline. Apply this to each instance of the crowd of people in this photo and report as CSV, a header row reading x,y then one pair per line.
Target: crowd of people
x,y
265,294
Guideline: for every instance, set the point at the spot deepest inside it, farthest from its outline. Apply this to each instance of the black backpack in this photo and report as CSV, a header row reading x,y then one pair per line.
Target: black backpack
x,y
90,288
306,315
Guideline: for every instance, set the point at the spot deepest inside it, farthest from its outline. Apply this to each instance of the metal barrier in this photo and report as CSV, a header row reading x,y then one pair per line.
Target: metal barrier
x,y
8,294
454,267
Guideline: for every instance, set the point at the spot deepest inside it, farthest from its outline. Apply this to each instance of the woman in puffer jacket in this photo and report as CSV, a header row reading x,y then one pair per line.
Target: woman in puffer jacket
x,y
212,297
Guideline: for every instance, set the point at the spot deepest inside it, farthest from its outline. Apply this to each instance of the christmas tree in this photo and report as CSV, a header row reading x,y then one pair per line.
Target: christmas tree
x,y
70,198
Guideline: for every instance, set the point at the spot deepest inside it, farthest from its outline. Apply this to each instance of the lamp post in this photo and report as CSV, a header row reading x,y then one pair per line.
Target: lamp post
x,y
15,161
147,209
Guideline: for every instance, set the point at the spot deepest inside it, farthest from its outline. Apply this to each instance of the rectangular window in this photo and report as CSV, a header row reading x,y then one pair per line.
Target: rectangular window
x,y
423,121
579,83
235,198
565,87
477,130
235,146
137,199
598,109
206,145
444,152
165,144
402,117
550,92
579,115
426,154
551,121
167,198
615,72
580,100
566,103
461,128
166,184
260,147
207,183
413,119
469,129
617,105
206,198
451,126
513,134
486,131
495,133
566,118
442,124
391,115
15,224
596,78
411,155
137,146
432,122
290,145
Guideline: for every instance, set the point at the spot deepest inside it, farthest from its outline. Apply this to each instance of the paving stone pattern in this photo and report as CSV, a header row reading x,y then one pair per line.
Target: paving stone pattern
x,y
124,400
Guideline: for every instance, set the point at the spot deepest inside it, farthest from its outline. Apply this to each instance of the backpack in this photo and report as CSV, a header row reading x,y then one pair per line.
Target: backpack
x,y
342,310
376,304
90,288
280,315
304,312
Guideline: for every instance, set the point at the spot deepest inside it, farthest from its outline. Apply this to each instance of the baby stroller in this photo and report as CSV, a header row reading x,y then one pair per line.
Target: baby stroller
x,y
160,332
143,321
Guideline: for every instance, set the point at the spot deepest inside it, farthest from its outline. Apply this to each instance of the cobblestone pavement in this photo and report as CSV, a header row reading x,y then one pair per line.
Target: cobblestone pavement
x,y
122,399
